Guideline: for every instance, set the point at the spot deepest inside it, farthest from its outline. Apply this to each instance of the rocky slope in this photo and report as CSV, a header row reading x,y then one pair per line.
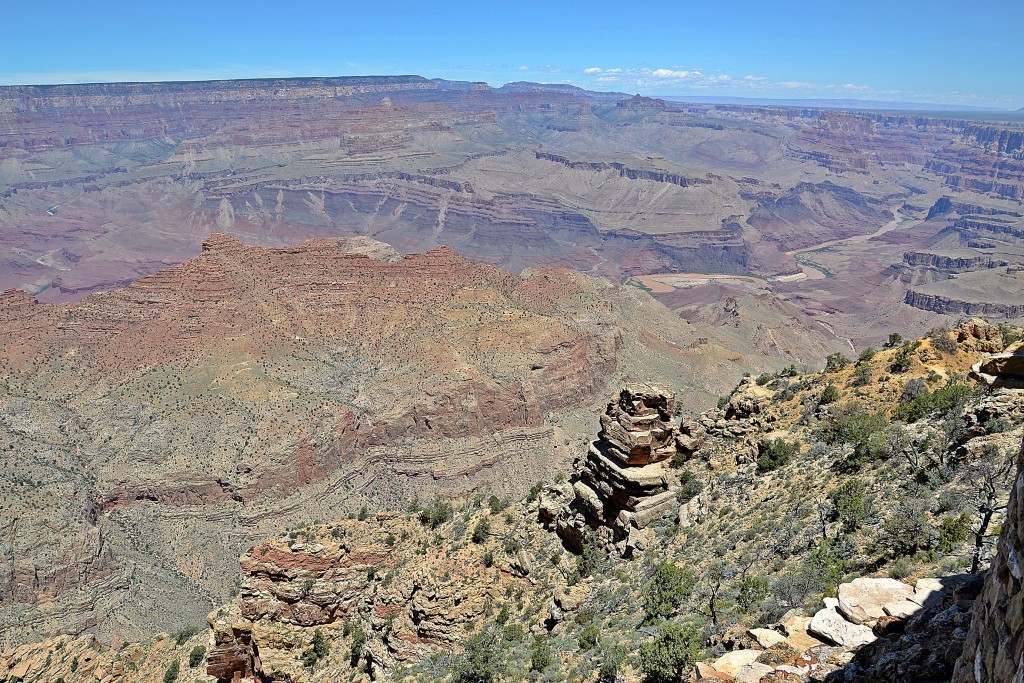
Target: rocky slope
x,y
164,427
883,514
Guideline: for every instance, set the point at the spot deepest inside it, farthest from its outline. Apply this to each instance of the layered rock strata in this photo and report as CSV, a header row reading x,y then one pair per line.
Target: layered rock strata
x,y
623,483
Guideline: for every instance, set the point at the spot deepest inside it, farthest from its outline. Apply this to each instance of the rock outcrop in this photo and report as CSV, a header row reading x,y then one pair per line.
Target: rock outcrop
x,y
408,592
994,651
623,483
1001,370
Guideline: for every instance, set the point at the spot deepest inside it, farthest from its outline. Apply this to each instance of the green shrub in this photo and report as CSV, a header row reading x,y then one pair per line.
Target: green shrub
x,y
764,378
513,632
751,593
436,513
668,657
318,650
196,656
917,403
895,339
829,395
827,566
942,342
954,530
355,650
588,636
775,453
861,376
900,569
183,634
848,500
690,487
836,362
902,361
535,492
906,529
488,558
482,659
541,656
494,505
1011,335
665,593
591,558
867,354
852,425
481,531
612,658
171,674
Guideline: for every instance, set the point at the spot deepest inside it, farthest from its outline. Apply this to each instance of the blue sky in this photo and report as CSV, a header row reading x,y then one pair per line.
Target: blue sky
x,y
900,50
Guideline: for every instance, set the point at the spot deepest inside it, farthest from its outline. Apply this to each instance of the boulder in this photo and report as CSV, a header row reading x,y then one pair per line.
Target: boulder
x,y
752,673
901,609
732,662
1001,370
862,600
766,637
706,672
928,592
796,633
831,626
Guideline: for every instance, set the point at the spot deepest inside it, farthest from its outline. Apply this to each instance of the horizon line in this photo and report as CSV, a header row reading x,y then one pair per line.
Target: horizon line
x,y
666,97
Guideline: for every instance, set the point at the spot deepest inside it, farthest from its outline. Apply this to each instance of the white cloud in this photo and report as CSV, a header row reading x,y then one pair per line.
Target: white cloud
x,y
750,78
592,70
795,84
670,73
524,68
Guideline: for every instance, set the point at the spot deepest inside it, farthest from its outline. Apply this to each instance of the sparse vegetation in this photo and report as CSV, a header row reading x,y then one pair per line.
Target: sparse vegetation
x,y
318,649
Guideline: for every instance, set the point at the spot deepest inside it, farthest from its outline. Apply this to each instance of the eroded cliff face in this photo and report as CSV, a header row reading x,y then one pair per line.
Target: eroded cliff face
x,y
994,651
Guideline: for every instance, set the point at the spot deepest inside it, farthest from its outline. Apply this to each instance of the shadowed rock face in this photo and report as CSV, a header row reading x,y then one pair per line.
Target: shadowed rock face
x,y
992,653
